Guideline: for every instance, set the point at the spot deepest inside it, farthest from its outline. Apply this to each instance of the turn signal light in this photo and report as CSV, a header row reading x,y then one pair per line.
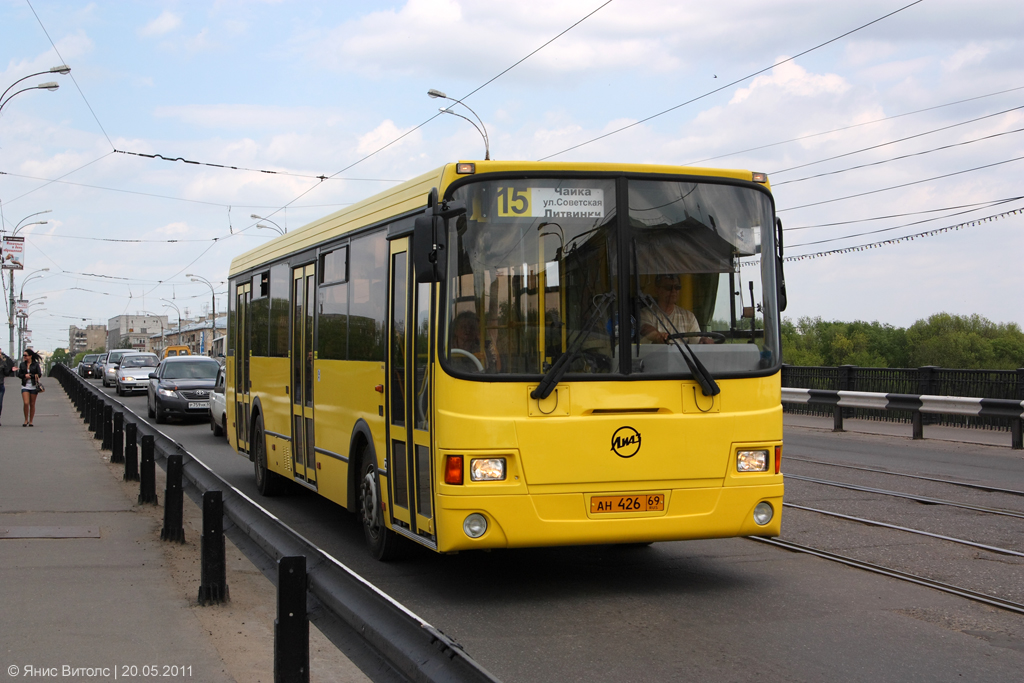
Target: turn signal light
x,y
778,459
465,167
453,469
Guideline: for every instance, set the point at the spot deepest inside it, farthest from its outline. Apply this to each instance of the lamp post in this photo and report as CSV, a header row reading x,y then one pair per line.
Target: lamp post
x,y
51,86
482,129
21,224
173,305
278,228
23,327
213,303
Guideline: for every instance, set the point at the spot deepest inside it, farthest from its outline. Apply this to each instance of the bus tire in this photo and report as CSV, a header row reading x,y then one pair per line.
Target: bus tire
x,y
267,483
384,544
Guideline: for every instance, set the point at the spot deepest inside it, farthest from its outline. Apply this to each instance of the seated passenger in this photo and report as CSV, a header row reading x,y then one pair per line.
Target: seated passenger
x,y
465,343
657,325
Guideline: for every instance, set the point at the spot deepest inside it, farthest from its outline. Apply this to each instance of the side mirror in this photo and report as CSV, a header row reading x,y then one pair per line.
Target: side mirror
x,y
218,389
153,375
428,248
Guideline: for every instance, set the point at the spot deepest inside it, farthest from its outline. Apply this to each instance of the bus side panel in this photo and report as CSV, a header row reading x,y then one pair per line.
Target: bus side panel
x,y
269,377
345,393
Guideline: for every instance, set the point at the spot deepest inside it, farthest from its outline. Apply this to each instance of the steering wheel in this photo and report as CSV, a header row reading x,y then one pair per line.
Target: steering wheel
x,y
466,354
717,336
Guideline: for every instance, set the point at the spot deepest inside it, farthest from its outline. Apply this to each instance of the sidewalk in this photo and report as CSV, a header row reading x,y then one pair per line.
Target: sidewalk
x,y
987,437
86,583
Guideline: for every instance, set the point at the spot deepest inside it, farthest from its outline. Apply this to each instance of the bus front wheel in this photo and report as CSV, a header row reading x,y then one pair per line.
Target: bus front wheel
x,y
384,544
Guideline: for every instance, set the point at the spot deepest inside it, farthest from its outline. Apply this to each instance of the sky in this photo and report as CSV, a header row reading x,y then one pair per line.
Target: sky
x,y
874,132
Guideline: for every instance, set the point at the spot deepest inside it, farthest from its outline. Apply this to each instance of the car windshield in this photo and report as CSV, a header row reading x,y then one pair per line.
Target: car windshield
x,y
140,362
192,370
115,356
89,359
536,266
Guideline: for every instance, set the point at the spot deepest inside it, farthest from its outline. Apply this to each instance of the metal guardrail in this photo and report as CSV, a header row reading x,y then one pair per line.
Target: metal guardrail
x,y
917,404
386,640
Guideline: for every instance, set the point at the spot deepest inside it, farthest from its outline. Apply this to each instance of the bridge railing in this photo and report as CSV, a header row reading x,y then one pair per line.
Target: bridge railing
x,y
928,380
917,405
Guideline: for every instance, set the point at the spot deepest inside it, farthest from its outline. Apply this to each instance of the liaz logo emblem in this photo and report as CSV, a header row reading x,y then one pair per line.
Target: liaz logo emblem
x,y
626,442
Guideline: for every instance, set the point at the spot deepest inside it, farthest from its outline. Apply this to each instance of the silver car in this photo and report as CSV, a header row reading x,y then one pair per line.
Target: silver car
x,y
133,372
219,407
108,376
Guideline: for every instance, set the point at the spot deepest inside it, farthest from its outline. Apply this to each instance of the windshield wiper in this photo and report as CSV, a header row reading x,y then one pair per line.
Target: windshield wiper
x,y
561,366
707,383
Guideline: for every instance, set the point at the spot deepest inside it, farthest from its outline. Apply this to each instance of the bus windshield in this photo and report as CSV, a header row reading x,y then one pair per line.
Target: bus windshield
x,y
539,267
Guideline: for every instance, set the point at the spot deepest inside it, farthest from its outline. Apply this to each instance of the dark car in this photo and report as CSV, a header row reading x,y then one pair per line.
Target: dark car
x,y
85,367
181,387
97,366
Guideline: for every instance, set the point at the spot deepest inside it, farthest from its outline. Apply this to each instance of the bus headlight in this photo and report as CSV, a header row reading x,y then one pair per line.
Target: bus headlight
x,y
487,469
763,513
752,461
475,525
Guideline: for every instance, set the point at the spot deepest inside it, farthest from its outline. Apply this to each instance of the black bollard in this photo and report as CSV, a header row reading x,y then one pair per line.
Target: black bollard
x,y
131,452
173,530
117,439
213,585
94,421
147,482
108,426
291,628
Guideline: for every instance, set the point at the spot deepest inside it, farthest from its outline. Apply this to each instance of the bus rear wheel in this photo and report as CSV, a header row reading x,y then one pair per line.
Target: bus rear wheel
x,y
267,483
384,544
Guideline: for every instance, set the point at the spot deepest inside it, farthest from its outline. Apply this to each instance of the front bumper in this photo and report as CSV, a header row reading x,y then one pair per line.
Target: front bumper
x,y
179,406
562,519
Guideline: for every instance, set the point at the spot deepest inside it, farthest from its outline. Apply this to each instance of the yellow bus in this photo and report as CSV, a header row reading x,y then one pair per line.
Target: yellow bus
x,y
504,354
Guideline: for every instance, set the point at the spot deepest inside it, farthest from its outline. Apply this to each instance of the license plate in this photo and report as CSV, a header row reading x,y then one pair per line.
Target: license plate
x,y
196,405
638,502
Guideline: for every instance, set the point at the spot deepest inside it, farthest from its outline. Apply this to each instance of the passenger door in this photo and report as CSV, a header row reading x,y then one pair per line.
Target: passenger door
x,y
409,396
243,294
302,356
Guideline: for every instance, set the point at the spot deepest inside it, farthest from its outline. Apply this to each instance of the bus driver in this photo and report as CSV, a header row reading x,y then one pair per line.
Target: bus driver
x,y
656,326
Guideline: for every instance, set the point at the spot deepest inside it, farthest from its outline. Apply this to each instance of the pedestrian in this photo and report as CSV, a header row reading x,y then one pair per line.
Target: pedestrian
x,y
30,371
7,367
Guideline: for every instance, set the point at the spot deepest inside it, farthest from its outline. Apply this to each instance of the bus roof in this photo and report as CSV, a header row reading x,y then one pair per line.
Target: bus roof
x,y
411,195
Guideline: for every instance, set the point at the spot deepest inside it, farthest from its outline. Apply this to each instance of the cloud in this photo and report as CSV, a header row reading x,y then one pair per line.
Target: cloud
x,y
970,55
382,135
238,116
792,80
162,25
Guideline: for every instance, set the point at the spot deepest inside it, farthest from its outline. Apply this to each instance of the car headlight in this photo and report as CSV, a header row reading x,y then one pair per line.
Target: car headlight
x,y
165,392
487,469
752,461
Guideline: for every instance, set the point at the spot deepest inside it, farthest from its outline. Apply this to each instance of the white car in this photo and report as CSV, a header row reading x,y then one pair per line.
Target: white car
x,y
133,372
219,407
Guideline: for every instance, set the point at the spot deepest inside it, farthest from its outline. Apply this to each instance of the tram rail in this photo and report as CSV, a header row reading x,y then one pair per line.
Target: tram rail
x,y
928,500
977,596
951,482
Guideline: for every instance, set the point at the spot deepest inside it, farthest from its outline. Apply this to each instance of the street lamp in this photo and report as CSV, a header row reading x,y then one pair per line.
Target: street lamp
x,y
213,303
51,85
23,328
10,313
437,94
280,230
171,304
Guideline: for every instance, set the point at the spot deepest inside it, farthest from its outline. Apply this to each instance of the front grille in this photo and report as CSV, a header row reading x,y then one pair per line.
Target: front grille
x,y
196,394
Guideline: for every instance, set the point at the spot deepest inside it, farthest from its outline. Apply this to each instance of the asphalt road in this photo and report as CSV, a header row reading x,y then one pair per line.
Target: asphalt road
x,y
716,610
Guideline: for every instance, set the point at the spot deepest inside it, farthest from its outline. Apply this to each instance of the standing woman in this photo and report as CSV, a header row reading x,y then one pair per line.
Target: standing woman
x,y
30,371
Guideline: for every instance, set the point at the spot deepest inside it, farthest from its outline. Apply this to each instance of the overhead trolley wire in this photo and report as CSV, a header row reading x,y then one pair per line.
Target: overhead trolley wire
x,y
902,156
851,126
980,205
735,82
73,79
895,187
893,142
